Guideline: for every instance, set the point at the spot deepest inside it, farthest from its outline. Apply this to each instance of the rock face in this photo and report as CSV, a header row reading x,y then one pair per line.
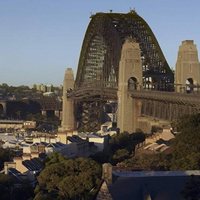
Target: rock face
x,y
187,67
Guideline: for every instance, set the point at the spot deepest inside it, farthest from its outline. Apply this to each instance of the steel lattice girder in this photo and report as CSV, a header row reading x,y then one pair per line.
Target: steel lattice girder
x,y
101,50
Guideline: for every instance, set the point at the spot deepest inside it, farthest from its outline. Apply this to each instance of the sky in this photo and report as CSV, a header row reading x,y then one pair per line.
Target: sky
x,y
39,39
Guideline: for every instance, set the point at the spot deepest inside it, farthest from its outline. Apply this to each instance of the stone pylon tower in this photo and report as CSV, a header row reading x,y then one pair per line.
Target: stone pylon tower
x,y
3,108
187,67
130,78
68,121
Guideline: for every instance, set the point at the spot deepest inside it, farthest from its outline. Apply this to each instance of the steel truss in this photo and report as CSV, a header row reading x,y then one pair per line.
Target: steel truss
x,y
101,51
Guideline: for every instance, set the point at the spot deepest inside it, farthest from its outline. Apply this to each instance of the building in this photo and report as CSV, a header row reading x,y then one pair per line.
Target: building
x,y
84,147
29,164
143,185
107,129
50,88
101,142
17,124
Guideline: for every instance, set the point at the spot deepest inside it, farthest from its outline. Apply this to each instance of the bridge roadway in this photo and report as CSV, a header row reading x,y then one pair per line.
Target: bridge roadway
x,y
93,94
158,104
189,99
167,105
94,91
90,93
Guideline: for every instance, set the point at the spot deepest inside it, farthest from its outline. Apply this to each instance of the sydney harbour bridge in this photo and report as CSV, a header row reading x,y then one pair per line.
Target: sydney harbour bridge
x,y
97,78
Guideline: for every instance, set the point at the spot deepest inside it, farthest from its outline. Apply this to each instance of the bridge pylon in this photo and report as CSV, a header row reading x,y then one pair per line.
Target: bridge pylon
x,y
130,78
187,74
68,119
3,108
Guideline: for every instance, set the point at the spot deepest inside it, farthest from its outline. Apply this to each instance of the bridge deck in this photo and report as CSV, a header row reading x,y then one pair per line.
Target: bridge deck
x,y
92,93
192,99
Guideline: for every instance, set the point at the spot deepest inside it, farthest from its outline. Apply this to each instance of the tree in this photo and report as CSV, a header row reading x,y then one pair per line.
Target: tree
x,y
122,145
6,183
8,189
101,157
126,141
43,196
186,144
54,158
120,155
5,155
68,178
147,162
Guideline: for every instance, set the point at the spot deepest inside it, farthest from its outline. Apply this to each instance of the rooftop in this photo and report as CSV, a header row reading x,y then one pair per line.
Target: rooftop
x,y
158,185
75,138
33,164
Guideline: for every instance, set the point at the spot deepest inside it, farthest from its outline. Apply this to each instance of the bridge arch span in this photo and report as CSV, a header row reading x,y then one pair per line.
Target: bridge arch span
x,y
97,80
113,29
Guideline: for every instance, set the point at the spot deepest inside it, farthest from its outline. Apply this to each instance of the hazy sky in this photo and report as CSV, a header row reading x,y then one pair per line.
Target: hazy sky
x,y
39,39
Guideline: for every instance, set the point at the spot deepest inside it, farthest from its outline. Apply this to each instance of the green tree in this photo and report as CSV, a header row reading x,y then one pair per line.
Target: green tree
x,y
55,158
6,183
43,196
186,144
68,178
122,145
148,162
8,189
126,141
120,155
5,155
101,157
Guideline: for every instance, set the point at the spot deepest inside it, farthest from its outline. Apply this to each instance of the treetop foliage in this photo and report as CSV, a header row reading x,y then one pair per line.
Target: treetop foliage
x,y
5,155
126,141
68,178
186,153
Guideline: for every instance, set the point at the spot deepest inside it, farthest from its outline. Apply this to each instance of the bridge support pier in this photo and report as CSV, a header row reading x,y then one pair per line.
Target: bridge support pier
x,y
57,113
130,78
187,74
3,108
68,119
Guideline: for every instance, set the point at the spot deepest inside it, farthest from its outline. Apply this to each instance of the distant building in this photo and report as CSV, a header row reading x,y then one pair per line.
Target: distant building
x,y
107,129
84,147
17,124
28,163
29,124
43,88
49,88
101,142
49,94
